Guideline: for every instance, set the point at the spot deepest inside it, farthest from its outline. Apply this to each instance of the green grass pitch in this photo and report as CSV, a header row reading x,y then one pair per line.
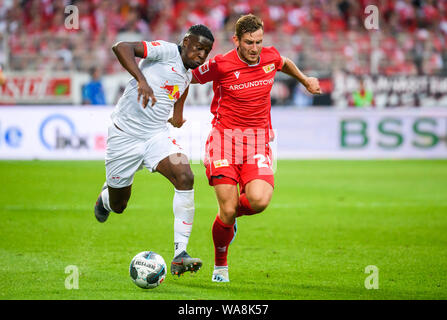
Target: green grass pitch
x,y
328,221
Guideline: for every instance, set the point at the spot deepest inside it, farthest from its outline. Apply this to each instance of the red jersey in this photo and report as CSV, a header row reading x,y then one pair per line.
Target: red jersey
x,y
241,91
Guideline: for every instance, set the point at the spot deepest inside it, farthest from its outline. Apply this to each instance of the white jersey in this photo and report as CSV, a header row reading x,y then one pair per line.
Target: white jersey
x,y
167,76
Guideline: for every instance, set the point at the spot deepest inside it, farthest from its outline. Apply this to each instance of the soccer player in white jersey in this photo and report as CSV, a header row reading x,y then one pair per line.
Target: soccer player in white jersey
x,y
139,136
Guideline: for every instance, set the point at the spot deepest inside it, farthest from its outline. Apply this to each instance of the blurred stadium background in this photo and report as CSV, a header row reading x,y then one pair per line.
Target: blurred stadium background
x,y
396,75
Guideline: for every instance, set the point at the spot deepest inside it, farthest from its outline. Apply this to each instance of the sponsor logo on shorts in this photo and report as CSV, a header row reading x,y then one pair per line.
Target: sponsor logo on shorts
x,y
221,163
174,141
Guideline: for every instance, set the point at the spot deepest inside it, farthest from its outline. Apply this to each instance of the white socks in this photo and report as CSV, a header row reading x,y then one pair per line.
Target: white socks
x,y
105,199
183,207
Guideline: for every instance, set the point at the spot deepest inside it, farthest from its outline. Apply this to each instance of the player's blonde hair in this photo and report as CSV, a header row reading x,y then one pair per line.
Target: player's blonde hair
x,y
248,23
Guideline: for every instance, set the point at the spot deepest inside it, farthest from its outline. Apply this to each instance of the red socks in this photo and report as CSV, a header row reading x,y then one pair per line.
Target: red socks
x,y
224,233
222,236
244,208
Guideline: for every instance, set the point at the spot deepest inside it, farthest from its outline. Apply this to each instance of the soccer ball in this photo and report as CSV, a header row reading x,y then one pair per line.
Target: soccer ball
x,y
147,269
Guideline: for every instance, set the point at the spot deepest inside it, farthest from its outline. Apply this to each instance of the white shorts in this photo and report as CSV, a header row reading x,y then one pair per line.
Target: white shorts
x,y
126,154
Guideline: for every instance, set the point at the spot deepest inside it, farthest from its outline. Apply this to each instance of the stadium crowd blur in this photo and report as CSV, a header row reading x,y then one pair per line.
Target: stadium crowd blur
x,y
319,35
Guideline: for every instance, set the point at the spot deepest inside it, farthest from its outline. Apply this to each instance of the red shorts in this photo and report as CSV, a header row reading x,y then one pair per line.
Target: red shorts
x,y
240,156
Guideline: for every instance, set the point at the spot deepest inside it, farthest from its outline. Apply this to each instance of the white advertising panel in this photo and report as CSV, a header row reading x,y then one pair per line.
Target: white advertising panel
x,y
361,134
53,132
65,132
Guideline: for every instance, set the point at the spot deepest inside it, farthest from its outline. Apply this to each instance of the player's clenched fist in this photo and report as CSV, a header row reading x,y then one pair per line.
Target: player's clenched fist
x,y
176,122
145,92
312,85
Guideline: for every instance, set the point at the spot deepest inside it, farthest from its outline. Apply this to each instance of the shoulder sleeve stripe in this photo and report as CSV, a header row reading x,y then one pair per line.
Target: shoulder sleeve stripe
x,y
145,49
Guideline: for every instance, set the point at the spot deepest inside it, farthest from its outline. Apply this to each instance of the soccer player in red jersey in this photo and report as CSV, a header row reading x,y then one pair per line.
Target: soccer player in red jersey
x,y
237,149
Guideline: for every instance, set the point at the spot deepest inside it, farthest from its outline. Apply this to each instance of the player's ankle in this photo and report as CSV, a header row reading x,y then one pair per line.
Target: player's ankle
x,y
220,267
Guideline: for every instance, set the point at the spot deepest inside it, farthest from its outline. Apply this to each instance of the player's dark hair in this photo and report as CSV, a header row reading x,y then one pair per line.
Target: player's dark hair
x,y
248,23
201,30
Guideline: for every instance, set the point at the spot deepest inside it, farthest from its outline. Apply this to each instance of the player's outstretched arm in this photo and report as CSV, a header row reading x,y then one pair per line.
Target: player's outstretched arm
x,y
177,117
310,83
126,53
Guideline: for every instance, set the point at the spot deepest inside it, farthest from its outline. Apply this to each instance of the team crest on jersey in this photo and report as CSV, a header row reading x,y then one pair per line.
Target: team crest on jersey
x,y
172,90
204,68
237,73
269,68
155,43
221,163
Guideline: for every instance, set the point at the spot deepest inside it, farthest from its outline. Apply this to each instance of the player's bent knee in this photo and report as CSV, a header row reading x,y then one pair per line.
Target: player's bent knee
x,y
228,213
118,207
258,208
259,203
184,181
